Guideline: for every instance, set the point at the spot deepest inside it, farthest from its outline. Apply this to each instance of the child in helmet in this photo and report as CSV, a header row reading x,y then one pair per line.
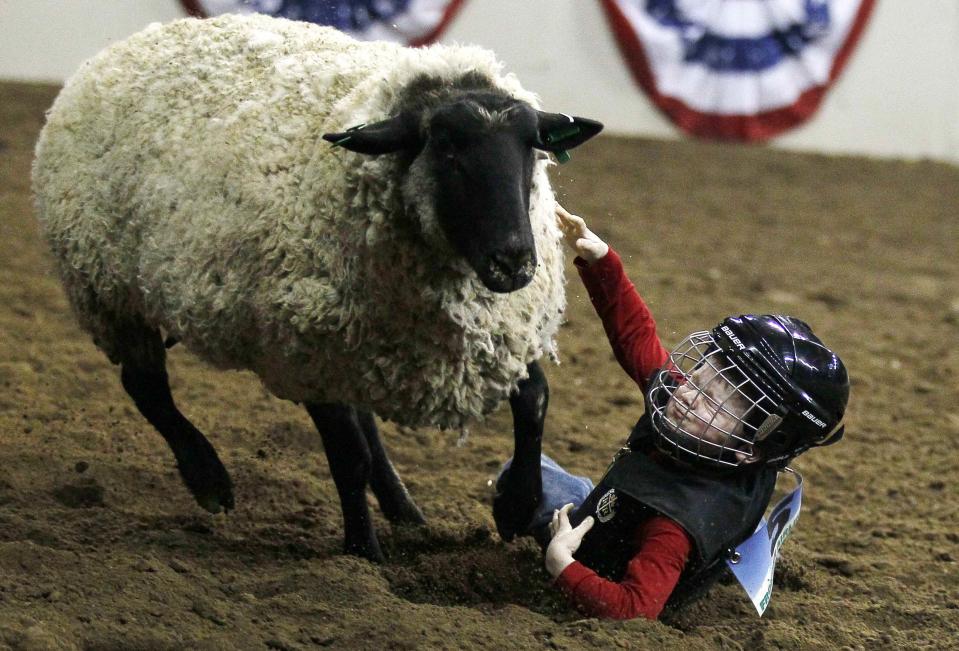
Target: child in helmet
x,y
726,410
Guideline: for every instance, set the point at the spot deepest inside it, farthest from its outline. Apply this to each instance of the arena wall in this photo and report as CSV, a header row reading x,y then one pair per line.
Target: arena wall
x,y
898,96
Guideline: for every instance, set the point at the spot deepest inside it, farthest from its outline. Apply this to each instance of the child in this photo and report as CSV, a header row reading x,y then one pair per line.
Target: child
x,y
725,412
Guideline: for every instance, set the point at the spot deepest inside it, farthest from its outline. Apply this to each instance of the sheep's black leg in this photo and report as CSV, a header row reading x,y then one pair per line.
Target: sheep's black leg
x,y
350,464
394,499
522,487
143,373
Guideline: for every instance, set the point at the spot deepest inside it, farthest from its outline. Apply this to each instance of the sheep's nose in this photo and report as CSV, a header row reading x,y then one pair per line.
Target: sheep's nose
x,y
510,263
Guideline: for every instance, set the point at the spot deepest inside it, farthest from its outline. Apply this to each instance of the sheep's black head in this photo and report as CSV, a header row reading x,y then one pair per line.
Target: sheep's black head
x,y
478,151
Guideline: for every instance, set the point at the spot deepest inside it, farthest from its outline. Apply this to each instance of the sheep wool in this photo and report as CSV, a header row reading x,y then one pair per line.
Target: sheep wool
x,y
182,183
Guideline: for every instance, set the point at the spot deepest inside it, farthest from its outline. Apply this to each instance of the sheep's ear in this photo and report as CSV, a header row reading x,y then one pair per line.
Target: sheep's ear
x,y
394,134
559,132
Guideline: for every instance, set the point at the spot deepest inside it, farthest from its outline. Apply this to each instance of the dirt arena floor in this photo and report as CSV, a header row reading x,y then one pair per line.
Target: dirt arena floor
x,y
101,547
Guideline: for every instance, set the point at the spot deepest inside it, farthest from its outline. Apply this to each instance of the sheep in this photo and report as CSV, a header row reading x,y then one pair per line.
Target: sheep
x,y
408,267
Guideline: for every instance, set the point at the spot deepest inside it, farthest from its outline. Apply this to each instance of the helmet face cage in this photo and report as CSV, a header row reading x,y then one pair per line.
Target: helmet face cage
x,y
706,409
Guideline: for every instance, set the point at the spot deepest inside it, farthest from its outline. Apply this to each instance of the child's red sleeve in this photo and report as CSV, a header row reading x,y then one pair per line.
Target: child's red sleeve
x,y
651,576
627,320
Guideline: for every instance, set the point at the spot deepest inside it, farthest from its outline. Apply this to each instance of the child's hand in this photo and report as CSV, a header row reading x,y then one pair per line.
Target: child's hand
x,y
565,540
582,240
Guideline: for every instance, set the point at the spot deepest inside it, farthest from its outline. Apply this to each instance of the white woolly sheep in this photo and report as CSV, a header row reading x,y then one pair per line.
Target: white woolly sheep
x,y
186,193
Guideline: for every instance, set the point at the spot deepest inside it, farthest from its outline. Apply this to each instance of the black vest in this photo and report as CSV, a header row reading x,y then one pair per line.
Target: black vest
x,y
718,511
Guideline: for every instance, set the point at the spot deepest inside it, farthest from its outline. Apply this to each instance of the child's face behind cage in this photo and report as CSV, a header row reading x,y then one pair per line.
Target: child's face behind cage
x,y
708,408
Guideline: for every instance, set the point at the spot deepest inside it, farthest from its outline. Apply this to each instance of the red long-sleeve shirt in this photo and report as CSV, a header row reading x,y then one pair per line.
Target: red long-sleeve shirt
x,y
662,546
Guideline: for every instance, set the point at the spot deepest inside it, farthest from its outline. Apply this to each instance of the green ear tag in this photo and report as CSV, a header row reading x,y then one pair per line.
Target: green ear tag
x,y
562,156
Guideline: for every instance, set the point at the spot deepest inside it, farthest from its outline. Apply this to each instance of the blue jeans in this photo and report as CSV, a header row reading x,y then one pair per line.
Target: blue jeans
x,y
559,488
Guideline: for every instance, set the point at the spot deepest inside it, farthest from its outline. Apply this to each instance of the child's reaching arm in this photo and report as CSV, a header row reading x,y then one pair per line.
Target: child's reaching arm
x,y
627,320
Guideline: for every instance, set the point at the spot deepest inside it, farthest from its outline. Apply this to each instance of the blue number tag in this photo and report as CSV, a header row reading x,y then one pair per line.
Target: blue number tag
x,y
755,559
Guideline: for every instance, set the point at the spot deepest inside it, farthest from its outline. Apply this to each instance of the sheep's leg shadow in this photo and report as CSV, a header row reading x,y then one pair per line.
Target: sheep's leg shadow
x,y
351,461
393,498
142,357
521,488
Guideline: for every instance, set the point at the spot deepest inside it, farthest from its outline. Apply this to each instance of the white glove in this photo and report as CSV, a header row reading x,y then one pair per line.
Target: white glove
x,y
565,540
582,240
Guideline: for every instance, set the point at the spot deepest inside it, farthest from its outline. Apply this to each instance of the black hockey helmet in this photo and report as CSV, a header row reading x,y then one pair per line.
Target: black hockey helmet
x,y
782,392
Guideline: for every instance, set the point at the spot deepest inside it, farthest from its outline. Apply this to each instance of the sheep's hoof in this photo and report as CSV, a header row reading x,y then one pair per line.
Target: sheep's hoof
x,y
512,516
407,514
368,549
209,483
212,503
217,497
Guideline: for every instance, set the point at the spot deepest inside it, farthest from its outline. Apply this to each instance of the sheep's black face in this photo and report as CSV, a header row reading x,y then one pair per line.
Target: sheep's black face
x,y
482,159
479,150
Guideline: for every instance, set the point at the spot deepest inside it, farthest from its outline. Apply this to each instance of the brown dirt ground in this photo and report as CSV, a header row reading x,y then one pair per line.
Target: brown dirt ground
x,y
101,546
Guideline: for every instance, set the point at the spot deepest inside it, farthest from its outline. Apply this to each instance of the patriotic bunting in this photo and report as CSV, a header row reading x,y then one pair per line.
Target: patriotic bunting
x,y
737,69
412,22
728,69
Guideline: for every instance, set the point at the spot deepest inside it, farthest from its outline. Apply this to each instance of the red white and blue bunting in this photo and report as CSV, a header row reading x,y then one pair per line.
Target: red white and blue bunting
x,y
412,22
737,69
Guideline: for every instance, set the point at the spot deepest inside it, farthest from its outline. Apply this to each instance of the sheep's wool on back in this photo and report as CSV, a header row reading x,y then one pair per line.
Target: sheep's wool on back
x,y
181,179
